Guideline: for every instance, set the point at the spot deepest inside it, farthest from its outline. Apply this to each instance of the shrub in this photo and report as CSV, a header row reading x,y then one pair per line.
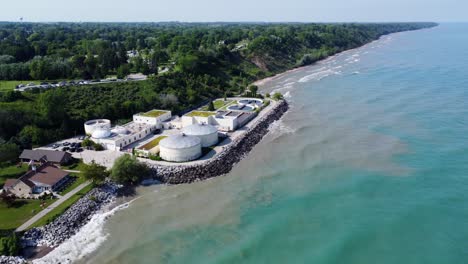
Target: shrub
x,y
9,245
98,147
87,143
277,96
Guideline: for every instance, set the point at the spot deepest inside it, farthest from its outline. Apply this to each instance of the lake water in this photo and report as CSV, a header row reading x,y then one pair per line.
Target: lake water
x,y
370,165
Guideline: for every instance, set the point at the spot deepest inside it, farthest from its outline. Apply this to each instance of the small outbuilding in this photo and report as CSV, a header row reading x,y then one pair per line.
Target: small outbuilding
x,y
208,134
180,148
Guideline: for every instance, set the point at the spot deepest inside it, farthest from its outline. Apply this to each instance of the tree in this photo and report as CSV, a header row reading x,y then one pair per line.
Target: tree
x,y
8,152
123,71
7,199
253,90
95,173
211,106
127,169
267,95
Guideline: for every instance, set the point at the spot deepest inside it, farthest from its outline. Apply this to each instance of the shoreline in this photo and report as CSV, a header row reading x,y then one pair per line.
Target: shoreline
x,y
265,80
176,180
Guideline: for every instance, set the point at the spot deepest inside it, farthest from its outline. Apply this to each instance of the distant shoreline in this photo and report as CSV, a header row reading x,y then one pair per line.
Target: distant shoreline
x,y
265,80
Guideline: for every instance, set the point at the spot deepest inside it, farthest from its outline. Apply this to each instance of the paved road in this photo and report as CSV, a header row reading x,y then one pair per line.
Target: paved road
x,y
51,207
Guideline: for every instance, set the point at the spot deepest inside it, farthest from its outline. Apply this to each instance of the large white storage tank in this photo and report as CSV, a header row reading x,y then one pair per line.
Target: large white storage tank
x,y
208,134
180,148
96,124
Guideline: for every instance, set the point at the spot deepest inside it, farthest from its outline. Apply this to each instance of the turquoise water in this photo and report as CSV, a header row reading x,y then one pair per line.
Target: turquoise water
x,y
368,166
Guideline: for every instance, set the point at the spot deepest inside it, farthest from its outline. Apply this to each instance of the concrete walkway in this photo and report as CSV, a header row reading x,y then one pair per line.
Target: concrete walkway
x,y
51,207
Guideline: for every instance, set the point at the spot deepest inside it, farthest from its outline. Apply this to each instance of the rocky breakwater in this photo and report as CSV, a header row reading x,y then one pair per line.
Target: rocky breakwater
x,y
68,224
224,161
12,260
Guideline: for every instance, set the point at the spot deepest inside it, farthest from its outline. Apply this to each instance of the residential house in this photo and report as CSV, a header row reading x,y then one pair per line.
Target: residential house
x,y
45,178
44,155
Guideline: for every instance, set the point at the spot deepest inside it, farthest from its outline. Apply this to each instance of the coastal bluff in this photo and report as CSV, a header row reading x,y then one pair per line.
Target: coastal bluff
x,y
229,156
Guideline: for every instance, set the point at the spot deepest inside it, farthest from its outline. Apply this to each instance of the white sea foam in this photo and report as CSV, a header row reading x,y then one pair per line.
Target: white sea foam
x,y
87,240
318,75
279,128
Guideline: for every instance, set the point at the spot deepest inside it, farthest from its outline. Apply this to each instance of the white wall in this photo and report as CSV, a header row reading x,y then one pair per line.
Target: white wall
x,y
180,155
152,120
122,141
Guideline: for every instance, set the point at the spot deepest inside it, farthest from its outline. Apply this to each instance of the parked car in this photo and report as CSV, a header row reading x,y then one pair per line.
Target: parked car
x,y
72,149
31,84
79,149
65,148
66,143
81,138
54,146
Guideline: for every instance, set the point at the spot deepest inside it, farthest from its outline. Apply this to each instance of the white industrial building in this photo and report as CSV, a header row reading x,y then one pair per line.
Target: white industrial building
x,y
235,115
122,136
96,124
143,124
223,120
180,148
208,134
154,117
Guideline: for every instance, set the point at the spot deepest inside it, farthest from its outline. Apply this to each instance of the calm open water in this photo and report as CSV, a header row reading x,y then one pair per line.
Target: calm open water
x,y
370,165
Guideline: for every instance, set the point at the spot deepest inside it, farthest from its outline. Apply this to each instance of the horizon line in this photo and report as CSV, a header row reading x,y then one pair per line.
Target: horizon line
x,y
228,22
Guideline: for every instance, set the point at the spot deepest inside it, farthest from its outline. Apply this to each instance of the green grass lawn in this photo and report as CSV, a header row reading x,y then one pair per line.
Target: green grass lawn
x,y
13,217
217,104
153,143
77,181
62,208
11,172
77,165
10,85
201,113
154,113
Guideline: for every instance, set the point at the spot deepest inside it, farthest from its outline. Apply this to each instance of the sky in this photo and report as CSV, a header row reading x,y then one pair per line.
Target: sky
x,y
234,10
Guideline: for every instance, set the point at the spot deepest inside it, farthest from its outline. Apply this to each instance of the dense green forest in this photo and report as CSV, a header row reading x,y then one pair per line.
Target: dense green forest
x,y
205,61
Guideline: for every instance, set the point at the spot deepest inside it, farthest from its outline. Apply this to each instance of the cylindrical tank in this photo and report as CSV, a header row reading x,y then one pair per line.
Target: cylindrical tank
x,y
208,134
92,125
180,148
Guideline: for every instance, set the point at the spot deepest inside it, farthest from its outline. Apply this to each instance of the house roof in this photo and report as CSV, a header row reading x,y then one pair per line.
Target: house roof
x,y
48,155
9,183
46,175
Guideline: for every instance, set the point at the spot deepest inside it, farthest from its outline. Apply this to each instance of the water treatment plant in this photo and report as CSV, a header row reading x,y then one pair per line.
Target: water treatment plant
x,y
157,136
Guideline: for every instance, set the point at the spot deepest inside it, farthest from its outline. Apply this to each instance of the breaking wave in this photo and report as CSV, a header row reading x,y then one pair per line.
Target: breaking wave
x,y
318,75
87,240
